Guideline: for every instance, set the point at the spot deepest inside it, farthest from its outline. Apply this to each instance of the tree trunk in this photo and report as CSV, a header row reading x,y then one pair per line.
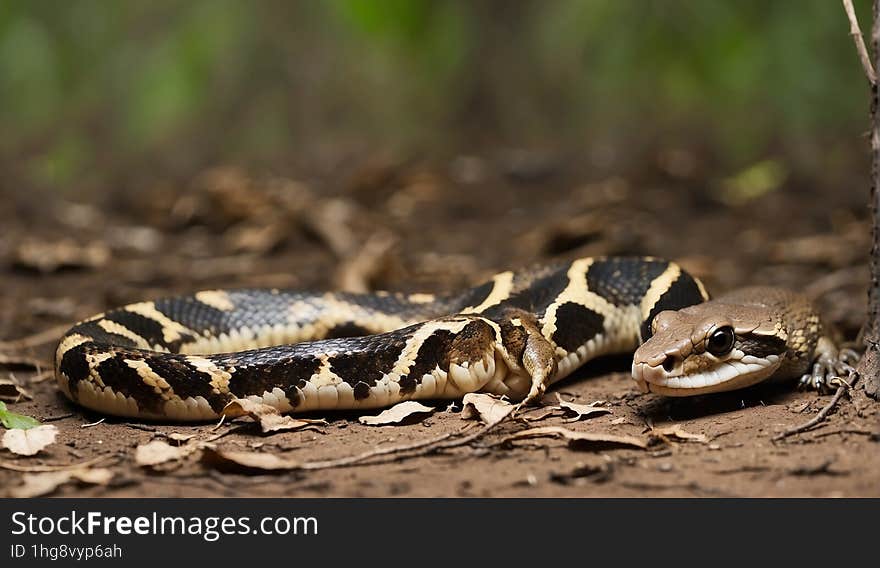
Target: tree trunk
x,y
869,368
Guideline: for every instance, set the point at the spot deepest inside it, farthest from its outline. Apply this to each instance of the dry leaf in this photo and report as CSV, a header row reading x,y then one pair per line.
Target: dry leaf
x,y
158,452
398,413
247,462
11,391
675,431
485,407
36,484
268,416
581,411
29,442
538,417
579,440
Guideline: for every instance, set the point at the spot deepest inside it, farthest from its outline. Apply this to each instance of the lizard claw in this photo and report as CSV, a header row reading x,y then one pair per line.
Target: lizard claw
x,y
830,371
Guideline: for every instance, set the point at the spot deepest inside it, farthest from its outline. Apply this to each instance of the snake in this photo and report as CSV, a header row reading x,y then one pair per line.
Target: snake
x,y
185,358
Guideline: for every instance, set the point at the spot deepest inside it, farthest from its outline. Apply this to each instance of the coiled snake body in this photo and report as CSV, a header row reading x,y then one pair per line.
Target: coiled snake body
x,y
185,358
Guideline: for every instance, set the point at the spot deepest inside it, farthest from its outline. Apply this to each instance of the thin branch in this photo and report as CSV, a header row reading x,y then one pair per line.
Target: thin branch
x,y
385,451
396,453
822,413
856,32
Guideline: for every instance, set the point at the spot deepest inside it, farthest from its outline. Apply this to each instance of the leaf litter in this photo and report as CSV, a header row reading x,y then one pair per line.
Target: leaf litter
x,y
485,407
158,452
576,412
578,440
677,432
29,442
405,412
12,391
37,484
268,417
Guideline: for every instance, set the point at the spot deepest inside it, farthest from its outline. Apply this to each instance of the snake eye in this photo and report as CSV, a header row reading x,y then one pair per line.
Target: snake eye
x,y
721,341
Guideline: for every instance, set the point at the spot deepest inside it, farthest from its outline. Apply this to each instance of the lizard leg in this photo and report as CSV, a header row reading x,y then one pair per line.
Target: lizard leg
x,y
539,360
831,367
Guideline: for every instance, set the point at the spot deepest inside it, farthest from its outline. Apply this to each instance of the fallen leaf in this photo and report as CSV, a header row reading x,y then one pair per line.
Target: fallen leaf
x,y
538,417
579,440
158,452
580,411
268,416
247,462
11,391
397,414
29,442
10,419
37,484
485,407
676,431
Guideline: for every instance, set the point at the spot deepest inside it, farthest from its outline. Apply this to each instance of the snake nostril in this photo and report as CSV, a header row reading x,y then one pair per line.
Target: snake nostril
x,y
669,364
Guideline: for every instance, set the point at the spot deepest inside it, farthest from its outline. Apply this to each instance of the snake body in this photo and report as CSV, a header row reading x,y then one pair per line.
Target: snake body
x,y
185,358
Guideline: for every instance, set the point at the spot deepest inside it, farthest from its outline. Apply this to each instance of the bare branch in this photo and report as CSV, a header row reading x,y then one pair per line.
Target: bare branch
x,y
819,418
856,32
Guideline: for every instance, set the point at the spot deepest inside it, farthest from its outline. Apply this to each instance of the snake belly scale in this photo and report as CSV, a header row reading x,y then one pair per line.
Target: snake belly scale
x,y
184,358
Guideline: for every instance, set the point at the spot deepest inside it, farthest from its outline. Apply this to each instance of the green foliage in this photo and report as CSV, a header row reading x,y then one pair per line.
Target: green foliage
x,y
88,84
11,420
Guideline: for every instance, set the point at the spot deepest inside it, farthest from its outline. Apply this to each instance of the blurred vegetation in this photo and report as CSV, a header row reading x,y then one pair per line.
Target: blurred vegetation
x,y
91,87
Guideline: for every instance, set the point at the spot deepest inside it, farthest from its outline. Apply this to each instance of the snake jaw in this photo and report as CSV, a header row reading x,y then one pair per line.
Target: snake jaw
x,y
730,374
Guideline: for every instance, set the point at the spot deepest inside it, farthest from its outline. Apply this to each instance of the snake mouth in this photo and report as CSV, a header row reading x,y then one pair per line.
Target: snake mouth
x,y
728,375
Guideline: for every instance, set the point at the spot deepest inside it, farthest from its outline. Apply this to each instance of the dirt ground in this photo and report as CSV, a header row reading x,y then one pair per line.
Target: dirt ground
x,y
381,223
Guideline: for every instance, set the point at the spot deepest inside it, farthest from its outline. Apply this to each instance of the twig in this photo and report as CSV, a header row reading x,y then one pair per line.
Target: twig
x,y
391,450
844,431
139,427
220,423
856,32
57,418
822,413
421,448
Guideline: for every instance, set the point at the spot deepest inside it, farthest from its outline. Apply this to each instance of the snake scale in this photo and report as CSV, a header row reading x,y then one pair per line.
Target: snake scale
x,y
185,358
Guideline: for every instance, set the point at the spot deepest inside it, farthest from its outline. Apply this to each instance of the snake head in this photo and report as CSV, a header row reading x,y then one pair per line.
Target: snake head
x,y
711,347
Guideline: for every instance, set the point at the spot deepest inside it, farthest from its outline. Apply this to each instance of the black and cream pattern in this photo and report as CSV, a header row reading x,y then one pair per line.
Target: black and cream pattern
x,y
185,358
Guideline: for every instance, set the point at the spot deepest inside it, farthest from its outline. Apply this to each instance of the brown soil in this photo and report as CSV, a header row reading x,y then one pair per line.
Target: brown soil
x,y
435,227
